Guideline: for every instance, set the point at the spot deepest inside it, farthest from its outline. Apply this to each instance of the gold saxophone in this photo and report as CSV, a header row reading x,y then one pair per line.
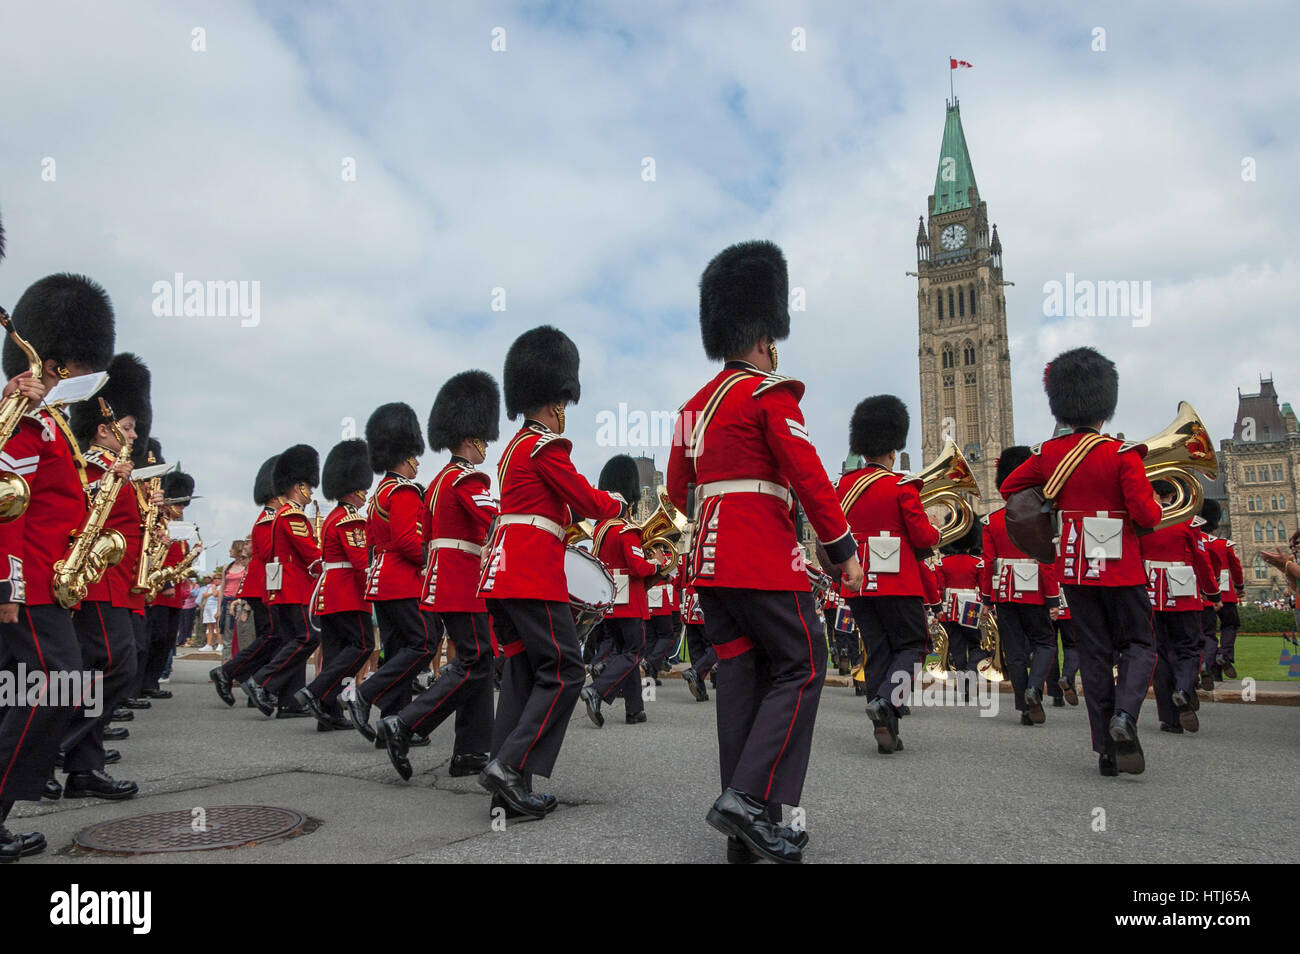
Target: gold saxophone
x,y
93,549
165,576
14,492
148,542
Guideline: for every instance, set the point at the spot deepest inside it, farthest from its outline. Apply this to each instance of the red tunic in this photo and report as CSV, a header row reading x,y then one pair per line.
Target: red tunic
x,y
254,582
1178,544
293,545
998,575
1109,482
537,478
618,546
127,519
395,528
1231,577
663,597
31,545
690,602
752,431
460,509
890,507
960,571
344,558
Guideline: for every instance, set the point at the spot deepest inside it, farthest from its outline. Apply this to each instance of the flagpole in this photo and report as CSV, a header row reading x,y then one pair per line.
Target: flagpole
x,y
951,93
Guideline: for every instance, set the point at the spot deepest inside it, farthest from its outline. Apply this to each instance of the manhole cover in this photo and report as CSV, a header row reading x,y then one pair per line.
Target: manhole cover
x,y
200,829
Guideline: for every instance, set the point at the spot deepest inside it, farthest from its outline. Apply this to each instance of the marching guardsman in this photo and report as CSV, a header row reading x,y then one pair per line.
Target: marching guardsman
x,y
663,628
1179,575
1211,514
958,572
289,585
103,620
395,525
523,577
1069,652
163,613
617,544
1104,499
459,508
742,450
252,590
147,453
1221,654
347,635
1021,593
891,531
68,321
703,657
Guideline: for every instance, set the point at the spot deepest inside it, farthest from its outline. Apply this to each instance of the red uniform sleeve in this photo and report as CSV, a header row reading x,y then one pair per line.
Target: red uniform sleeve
x,y
787,438
637,565
1139,497
353,533
262,544
1235,572
921,533
680,472
1047,579
929,584
1198,547
20,456
304,544
557,470
475,497
1029,474
990,550
406,524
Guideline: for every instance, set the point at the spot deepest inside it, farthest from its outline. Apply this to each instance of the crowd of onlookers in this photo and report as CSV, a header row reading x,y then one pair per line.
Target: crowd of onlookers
x,y
1285,603
211,615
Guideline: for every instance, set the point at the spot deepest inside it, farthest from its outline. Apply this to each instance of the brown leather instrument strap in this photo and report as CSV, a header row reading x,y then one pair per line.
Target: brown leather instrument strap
x,y
860,487
1068,464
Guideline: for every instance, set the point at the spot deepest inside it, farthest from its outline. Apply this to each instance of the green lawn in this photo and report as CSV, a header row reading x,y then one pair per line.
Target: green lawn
x,y
1257,656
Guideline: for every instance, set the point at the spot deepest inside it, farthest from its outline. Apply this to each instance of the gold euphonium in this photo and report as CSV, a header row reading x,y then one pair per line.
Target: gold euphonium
x,y
93,549
942,482
939,646
1172,455
662,530
14,492
582,530
994,665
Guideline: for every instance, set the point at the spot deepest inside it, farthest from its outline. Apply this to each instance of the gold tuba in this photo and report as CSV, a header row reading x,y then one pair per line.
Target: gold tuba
x,y
941,484
93,549
1173,454
582,530
14,492
994,665
939,668
662,530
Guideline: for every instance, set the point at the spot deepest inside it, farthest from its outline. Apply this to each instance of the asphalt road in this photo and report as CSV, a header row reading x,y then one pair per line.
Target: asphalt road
x,y
967,788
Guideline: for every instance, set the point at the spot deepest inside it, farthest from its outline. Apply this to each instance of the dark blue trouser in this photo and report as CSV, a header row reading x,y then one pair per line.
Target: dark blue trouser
x,y
622,673
1178,651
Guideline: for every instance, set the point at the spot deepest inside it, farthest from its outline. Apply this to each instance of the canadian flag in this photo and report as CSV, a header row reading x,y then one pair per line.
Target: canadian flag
x,y
958,64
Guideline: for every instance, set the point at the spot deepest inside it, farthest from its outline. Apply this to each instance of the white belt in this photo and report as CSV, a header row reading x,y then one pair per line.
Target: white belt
x,y
532,520
1002,562
1162,565
950,592
451,543
718,488
335,566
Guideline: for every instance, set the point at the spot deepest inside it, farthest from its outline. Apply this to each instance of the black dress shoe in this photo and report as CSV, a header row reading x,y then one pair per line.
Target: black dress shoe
x,y
502,780
419,741
471,763
1207,682
1058,702
1229,670
591,699
1106,765
292,712
14,846
1187,718
111,756
358,712
1128,750
547,804
303,699
636,718
137,704
257,695
1068,690
158,693
98,785
222,682
1025,720
116,733
1170,727
122,715
1034,706
53,790
695,685
33,842
396,736
738,852
904,711
745,817
882,722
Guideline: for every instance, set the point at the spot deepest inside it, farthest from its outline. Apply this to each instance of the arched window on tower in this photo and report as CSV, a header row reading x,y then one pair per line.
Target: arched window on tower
x,y
951,310
940,298
961,302
971,400
949,403
1259,534
971,291
949,357
968,354
1261,568
1268,532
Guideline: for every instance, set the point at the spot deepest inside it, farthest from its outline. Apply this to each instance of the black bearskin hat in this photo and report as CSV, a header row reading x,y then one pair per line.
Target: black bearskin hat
x,y
140,454
1211,513
126,392
346,470
468,405
620,476
1011,458
1082,387
878,426
541,368
744,295
968,542
300,464
177,484
64,317
264,482
393,434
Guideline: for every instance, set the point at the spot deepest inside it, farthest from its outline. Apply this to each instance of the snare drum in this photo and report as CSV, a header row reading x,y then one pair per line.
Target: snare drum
x,y
591,589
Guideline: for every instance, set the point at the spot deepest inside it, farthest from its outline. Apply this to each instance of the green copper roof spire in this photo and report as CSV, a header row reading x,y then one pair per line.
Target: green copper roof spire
x,y
955,175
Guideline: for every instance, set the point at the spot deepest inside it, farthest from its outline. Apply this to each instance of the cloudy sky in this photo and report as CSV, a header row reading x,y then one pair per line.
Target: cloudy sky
x,y
385,176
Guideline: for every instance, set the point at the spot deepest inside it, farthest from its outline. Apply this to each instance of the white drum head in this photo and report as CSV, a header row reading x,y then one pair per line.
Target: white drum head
x,y
590,584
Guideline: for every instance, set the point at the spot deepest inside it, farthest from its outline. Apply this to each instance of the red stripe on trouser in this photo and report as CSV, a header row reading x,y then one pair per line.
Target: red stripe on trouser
x,y
302,647
478,654
559,660
108,651
415,666
812,674
32,713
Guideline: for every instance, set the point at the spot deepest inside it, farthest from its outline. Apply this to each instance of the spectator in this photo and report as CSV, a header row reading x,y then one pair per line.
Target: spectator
x,y
208,598
231,578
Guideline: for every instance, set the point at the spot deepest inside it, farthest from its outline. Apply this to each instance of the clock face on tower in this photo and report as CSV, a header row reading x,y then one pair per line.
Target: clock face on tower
x,y
953,237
